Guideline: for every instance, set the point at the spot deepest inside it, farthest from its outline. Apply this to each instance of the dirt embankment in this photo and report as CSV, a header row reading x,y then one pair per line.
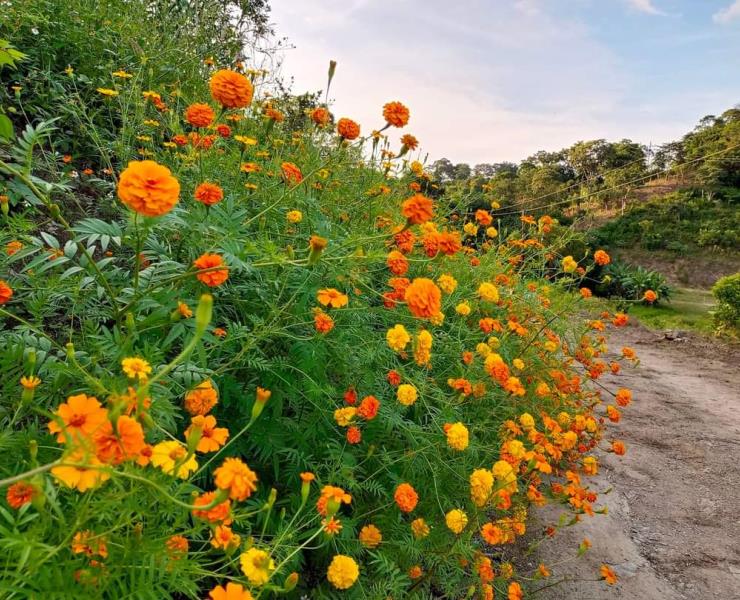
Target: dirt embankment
x,y
673,528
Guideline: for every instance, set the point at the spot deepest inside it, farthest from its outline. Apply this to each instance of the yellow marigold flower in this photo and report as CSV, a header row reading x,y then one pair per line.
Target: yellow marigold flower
x,y
406,394
30,382
590,465
491,232
398,338
370,536
107,92
526,421
569,265
342,572
257,566
168,455
488,292
136,368
518,363
447,283
457,436
294,216
481,486
247,141
122,74
470,228
419,528
485,351
463,309
456,520
234,475
344,416
515,448
151,123
504,473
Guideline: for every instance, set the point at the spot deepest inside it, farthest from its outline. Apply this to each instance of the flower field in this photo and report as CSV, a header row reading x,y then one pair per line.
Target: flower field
x,y
253,350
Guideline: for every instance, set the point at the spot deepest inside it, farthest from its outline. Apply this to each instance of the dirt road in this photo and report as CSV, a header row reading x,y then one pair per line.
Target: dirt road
x,y
673,528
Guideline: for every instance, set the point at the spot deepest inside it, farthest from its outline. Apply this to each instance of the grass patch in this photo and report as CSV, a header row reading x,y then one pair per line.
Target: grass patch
x,y
688,309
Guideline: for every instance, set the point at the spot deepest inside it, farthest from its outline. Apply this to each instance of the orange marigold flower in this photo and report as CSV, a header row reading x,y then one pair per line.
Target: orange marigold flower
x,y
423,298
199,115
215,514
201,399
515,591
396,114
417,209
81,471
232,591
231,89
211,437
348,129
623,397
219,332
177,547
370,536
86,542
209,261
322,322
320,116
585,292
224,538
148,188
354,435
394,378
125,443
406,497
601,258
332,297
618,448
492,534
397,263
82,416
483,217
12,247
235,476
209,193
650,296
291,173
223,130
6,292
415,572
368,408
20,494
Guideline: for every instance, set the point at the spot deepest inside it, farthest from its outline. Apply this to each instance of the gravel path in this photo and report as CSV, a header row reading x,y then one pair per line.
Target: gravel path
x,y
673,528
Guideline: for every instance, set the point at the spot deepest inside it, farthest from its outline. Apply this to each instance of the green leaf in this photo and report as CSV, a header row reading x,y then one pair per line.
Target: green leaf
x,y
6,128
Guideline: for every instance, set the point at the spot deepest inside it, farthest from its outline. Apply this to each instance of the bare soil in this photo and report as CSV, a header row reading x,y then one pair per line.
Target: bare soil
x,y
673,528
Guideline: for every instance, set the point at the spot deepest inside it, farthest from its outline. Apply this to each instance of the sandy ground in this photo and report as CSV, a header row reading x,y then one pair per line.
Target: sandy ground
x,y
673,528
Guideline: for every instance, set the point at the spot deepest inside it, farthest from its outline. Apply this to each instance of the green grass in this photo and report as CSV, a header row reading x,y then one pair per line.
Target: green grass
x,y
688,309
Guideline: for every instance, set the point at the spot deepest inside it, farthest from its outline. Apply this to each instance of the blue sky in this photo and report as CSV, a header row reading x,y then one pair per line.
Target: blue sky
x,y
493,80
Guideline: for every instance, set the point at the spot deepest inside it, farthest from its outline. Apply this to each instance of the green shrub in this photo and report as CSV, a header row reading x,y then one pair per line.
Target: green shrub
x,y
727,292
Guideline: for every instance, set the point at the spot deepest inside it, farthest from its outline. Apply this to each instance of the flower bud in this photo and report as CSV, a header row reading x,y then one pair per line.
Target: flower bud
x,y
290,582
316,245
203,314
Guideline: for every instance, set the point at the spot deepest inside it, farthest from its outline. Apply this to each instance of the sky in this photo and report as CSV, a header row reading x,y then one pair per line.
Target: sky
x,y
498,80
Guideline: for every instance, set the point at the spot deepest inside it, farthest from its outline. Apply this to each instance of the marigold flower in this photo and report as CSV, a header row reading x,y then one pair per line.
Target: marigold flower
x,y
623,397
423,348
30,382
515,591
148,188
332,297
423,298
211,278
294,216
348,129
201,399
235,476
199,115
323,322
601,258
396,114
481,486
257,565
291,173
650,296
211,437
457,436
177,547
215,514
342,572
171,454
12,247
418,209
126,443
492,534
231,89
232,591
397,263
406,497
20,494
488,292
136,368
419,528
463,309
618,448
209,193
447,283
393,378
410,142
320,116
82,416
81,471
334,495
343,416
456,520
415,572
370,536
569,264
368,408
406,394
397,338
86,542
608,574
354,435
504,473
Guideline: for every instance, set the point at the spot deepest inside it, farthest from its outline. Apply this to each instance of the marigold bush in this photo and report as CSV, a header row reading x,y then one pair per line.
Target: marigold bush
x,y
266,361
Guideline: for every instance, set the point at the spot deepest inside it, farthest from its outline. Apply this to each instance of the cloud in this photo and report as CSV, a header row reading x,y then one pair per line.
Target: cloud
x,y
727,14
645,6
